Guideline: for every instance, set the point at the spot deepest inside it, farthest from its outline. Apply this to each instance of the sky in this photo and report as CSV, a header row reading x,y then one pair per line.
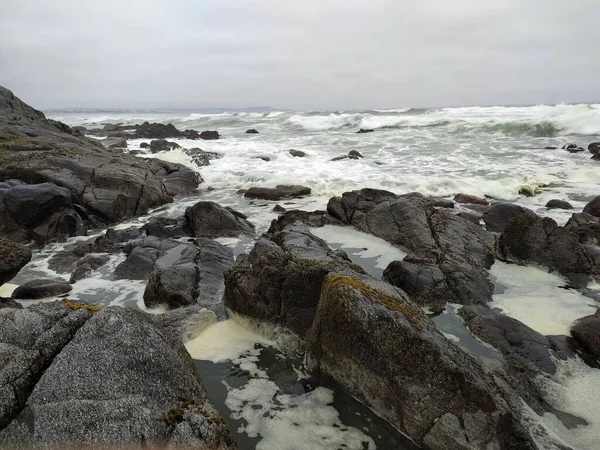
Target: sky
x,y
299,54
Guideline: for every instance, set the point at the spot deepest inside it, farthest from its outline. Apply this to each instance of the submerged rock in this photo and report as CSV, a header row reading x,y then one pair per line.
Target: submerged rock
x,y
200,157
355,153
63,393
279,192
86,265
13,257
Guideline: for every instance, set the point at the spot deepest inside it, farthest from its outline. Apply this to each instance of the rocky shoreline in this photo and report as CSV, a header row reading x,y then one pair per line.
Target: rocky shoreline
x,y
70,366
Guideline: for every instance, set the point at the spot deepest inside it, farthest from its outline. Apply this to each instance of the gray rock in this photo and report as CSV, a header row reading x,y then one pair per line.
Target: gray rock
x,y
365,130
594,149
140,384
470,199
13,257
349,343
166,227
277,193
161,131
497,216
210,219
424,282
114,142
142,255
473,218
186,323
159,145
586,332
529,239
297,153
209,135
585,226
86,265
9,303
355,153
558,204
200,157
36,289
593,207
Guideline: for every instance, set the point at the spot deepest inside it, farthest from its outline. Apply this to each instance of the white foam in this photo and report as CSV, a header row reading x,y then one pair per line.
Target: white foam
x,y
7,289
575,389
370,246
535,297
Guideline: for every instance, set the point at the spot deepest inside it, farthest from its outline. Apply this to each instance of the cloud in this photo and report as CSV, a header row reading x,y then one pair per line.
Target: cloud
x,y
299,54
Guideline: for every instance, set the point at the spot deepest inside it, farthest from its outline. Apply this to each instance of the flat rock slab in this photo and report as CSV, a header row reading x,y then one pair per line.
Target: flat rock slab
x,y
36,289
277,193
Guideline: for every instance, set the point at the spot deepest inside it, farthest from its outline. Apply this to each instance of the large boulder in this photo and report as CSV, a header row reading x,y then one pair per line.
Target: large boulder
x,y
280,280
376,344
13,257
70,371
529,239
593,207
279,192
586,227
161,131
497,216
213,220
36,289
41,212
188,274
586,332
106,185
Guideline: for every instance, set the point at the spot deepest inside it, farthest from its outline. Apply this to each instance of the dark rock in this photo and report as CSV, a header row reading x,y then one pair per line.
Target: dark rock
x,y
594,149
161,131
442,203
79,131
423,282
13,257
497,216
110,185
114,142
166,227
350,344
569,146
212,220
188,274
355,153
136,396
531,239
9,303
473,218
558,204
264,158
200,157
353,206
280,280
297,153
252,131
209,135
470,199
142,254
593,207
279,209
145,145
277,193
586,332
586,227
86,265
36,289
160,145
365,130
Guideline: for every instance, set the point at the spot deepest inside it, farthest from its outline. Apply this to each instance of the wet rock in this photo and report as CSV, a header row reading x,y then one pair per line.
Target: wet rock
x,y
135,395
277,193
470,199
594,149
79,130
424,282
558,204
185,324
36,289
280,280
114,142
200,157
212,220
9,303
586,332
279,209
166,227
586,227
209,135
593,207
365,130
264,158
252,131
349,343
161,145
529,239
161,131
572,148
497,216
86,265
189,274
473,218
297,153
352,207
355,153
145,145
13,257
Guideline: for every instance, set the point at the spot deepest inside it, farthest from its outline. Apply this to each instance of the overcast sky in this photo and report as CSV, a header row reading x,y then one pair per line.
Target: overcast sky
x,y
299,54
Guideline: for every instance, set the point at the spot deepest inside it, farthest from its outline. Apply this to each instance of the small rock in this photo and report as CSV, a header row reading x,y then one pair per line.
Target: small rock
x,y
279,209
558,204
144,145
297,153
36,289
264,158
159,145
278,192
252,131
355,153
212,220
594,149
470,199
209,135
365,130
